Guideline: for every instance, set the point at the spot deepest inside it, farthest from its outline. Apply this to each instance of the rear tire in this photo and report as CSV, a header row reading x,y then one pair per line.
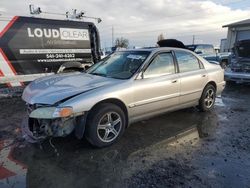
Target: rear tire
x,y
207,99
105,125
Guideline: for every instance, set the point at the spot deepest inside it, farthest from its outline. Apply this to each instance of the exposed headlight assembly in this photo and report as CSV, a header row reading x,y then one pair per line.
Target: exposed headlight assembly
x,y
51,112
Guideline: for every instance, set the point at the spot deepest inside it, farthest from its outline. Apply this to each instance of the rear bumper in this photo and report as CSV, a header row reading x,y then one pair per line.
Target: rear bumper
x,y
237,76
220,87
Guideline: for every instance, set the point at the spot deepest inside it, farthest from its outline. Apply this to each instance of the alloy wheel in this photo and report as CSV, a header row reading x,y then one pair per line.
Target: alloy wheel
x,y
210,98
109,127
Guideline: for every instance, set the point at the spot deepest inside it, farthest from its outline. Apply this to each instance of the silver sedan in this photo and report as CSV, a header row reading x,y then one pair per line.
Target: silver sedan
x,y
125,87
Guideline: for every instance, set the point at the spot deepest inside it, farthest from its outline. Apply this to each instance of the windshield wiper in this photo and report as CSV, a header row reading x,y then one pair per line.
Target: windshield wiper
x,y
98,74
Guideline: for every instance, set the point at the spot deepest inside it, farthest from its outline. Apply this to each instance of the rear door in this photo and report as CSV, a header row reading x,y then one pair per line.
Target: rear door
x,y
193,76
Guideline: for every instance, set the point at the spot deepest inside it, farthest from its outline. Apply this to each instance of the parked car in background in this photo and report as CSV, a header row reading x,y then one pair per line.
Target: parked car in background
x,y
125,87
208,52
239,67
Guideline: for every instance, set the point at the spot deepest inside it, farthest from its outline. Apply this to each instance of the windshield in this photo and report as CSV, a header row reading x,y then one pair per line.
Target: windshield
x,y
119,65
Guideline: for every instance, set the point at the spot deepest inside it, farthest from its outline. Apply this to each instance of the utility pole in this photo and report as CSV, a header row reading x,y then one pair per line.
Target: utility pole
x,y
112,36
193,39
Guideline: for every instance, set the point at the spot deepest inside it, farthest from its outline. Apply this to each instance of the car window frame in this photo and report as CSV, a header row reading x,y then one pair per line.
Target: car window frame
x,y
152,59
201,66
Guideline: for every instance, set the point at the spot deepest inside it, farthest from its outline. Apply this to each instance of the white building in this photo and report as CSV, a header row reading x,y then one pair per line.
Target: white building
x,y
237,31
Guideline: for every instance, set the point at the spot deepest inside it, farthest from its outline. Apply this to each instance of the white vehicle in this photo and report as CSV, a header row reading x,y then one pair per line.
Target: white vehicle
x,y
34,47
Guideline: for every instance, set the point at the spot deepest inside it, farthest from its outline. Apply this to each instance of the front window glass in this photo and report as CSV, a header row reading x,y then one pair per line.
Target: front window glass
x,y
120,65
162,64
187,61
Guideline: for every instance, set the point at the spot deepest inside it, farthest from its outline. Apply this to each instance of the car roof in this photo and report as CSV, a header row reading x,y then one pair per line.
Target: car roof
x,y
156,49
199,45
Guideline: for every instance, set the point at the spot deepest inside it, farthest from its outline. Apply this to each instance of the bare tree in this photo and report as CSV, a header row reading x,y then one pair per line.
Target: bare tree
x,y
160,37
121,42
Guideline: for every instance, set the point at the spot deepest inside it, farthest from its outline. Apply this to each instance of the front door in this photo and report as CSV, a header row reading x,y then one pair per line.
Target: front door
x,y
159,88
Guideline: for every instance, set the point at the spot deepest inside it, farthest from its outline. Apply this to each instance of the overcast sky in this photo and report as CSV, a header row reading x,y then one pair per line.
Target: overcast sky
x,y
141,21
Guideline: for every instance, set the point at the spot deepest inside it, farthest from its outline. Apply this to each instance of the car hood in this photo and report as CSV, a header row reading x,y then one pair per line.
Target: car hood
x,y
52,89
242,48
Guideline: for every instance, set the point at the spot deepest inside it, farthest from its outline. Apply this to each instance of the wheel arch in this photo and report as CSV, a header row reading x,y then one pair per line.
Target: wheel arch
x,y
213,83
114,101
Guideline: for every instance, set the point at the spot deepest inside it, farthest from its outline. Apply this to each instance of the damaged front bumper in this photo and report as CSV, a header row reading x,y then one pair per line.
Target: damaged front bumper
x,y
27,134
240,77
43,123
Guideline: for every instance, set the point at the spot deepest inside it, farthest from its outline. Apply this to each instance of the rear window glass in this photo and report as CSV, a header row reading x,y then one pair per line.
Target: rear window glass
x,y
187,61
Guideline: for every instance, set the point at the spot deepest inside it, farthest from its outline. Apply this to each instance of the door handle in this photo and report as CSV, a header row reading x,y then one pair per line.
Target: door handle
x,y
204,75
174,81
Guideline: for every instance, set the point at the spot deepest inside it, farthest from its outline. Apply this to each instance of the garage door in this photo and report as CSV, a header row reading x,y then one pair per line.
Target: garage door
x,y
243,35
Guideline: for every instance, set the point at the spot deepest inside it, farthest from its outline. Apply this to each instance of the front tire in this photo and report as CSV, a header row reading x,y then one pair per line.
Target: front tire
x,y
105,125
207,99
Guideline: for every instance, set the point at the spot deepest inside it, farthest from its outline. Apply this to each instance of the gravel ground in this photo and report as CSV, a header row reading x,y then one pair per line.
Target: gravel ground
x,y
180,149
220,158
